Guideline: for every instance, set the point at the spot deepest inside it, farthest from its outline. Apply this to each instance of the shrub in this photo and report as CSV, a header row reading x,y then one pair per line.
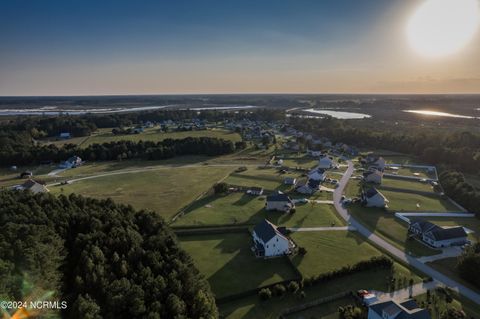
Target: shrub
x,y
302,251
265,294
220,188
278,290
293,286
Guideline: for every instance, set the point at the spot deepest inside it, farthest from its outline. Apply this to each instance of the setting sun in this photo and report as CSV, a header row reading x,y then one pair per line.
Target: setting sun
x,y
442,27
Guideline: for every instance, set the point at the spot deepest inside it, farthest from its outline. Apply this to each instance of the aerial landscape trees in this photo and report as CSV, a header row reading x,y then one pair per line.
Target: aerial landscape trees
x,y
105,260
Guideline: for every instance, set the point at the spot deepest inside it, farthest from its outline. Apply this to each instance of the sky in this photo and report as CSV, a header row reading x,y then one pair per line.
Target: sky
x,y
85,47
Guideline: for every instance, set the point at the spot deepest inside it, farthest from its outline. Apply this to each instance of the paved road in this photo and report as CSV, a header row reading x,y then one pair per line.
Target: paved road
x,y
394,251
146,169
295,229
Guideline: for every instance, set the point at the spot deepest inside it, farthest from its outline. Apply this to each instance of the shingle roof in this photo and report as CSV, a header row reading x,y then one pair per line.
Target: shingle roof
x,y
424,225
278,197
29,184
266,230
448,233
405,310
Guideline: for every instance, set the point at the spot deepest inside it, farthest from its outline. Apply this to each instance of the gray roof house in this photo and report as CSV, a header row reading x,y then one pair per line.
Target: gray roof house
x,y
280,202
392,309
437,236
270,241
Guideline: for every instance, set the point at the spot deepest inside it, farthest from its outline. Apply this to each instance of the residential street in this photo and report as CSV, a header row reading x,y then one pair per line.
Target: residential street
x,y
414,262
405,293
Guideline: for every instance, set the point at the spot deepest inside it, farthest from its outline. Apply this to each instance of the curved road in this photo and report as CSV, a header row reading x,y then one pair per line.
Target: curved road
x,y
414,262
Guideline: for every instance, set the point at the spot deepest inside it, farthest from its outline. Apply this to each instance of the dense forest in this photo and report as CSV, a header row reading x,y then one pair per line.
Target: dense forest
x,y
105,260
456,186
167,148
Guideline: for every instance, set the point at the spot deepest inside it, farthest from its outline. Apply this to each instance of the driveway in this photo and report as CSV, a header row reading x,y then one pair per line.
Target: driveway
x,y
394,251
405,293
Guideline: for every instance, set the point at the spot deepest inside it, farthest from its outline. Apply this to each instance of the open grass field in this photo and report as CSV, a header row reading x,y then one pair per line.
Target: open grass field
x,y
165,190
230,266
405,184
268,178
252,307
151,134
385,224
327,310
400,201
240,208
9,178
330,250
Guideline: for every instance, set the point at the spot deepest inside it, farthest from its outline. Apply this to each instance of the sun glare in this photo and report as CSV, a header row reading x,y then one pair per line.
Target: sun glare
x,y
442,27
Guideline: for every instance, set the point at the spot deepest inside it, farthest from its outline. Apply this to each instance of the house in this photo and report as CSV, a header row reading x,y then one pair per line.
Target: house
x,y
313,153
325,162
373,176
269,241
376,161
26,174
309,187
32,186
373,198
437,236
317,174
72,162
279,202
290,181
65,135
256,191
392,309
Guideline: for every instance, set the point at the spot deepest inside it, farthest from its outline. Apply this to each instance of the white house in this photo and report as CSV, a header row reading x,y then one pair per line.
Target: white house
x,y
376,161
33,187
373,176
72,162
309,187
317,174
314,153
373,198
255,191
437,236
325,162
279,202
392,309
65,135
269,241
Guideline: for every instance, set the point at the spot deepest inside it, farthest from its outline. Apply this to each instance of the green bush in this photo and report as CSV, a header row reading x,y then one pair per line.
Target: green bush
x,y
278,290
265,294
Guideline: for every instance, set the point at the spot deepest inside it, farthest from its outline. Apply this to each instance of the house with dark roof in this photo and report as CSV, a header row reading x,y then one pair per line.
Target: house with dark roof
x,y
309,187
392,309
279,202
290,181
72,162
373,198
377,162
325,162
373,176
318,174
437,236
270,241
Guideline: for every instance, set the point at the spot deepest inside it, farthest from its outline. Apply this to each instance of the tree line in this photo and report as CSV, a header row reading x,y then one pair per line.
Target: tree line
x,y
105,260
120,150
455,185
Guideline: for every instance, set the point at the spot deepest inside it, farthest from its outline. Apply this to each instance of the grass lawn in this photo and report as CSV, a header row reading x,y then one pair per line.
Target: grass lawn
x,y
165,190
239,208
268,178
330,250
230,266
9,178
152,134
327,310
352,189
405,184
447,267
438,305
385,224
400,201
252,307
